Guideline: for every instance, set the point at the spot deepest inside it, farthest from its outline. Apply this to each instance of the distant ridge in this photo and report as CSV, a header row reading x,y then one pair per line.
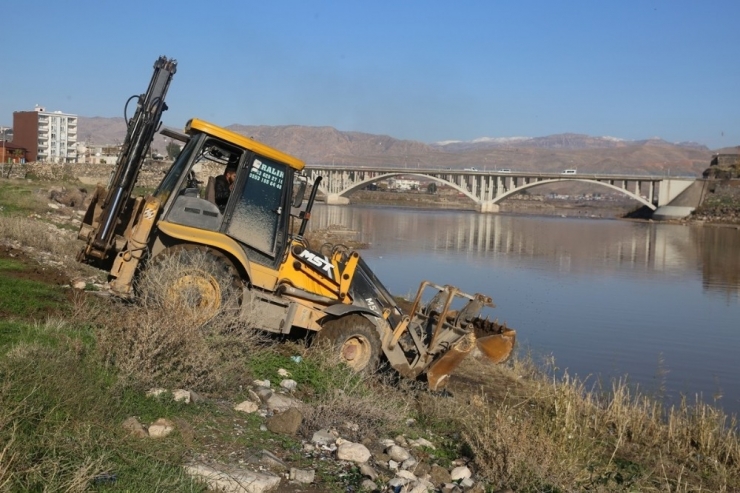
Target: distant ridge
x,y
553,153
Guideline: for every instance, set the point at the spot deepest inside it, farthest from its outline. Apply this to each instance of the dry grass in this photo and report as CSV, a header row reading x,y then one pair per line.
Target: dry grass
x,y
166,341
561,435
42,236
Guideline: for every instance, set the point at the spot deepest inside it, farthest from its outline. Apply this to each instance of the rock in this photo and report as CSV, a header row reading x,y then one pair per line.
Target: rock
x,y
161,428
281,402
285,423
393,465
467,483
283,372
79,285
134,427
421,488
401,440
367,470
181,395
196,397
410,422
398,454
369,485
246,407
257,397
324,437
269,460
398,482
422,469
354,452
262,383
233,482
305,476
421,442
406,475
439,475
387,443
288,384
409,463
460,472
155,392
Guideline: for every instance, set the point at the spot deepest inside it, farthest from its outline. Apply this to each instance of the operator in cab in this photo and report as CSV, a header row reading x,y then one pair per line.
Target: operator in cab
x,y
224,184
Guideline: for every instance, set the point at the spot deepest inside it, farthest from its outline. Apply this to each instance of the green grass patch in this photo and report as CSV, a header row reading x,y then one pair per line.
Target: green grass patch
x,y
307,372
61,415
26,298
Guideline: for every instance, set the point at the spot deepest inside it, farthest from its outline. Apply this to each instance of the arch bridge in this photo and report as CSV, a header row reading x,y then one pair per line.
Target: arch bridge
x,y
487,188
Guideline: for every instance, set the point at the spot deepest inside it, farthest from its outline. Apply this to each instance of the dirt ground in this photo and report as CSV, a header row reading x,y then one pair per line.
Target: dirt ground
x,y
33,270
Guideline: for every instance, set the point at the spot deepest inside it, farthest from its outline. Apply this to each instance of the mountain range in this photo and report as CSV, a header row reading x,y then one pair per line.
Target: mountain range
x,y
553,153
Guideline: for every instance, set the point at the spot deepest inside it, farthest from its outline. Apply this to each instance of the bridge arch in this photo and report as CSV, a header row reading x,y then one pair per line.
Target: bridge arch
x,y
518,189
362,184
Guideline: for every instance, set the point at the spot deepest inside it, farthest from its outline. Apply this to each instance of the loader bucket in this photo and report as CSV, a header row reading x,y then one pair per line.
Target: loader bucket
x,y
440,370
497,347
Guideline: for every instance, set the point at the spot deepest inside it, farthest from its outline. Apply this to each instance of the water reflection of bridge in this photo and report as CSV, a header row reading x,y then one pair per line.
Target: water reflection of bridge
x,y
487,188
568,245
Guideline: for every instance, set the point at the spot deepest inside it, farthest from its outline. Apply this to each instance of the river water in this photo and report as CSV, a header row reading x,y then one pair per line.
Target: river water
x,y
656,303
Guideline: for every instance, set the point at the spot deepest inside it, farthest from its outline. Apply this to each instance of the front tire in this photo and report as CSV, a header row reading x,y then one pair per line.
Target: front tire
x,y
355,341
197,283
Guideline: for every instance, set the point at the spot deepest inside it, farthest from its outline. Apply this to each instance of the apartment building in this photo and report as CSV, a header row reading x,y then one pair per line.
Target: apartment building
x,y
49,136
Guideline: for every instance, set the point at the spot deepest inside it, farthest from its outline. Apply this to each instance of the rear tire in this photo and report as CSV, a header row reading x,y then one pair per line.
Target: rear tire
x,y
355,341
193,282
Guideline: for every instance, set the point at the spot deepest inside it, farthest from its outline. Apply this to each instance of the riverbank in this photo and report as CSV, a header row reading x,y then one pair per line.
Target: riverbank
x,y
512,426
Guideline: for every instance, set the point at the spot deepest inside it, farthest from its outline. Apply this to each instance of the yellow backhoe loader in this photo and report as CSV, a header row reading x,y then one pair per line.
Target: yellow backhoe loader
x,y
243,254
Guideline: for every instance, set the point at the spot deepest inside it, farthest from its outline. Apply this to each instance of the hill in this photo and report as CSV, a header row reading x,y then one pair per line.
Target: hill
x,y
324,145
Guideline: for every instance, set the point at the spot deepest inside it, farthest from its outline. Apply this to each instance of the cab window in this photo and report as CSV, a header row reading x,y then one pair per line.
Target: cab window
x,y
257,216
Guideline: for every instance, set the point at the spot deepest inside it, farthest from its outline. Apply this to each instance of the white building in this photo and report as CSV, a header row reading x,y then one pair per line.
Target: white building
x,y
46,136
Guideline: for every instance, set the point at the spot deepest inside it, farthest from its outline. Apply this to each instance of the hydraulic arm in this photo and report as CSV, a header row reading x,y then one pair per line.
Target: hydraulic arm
x,y
140,132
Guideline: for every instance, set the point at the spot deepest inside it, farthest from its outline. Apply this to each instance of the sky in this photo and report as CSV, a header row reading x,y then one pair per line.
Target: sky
x,y
419,70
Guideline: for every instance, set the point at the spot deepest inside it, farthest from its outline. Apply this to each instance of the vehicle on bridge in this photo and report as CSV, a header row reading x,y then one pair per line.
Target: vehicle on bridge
x,y
250,261
569,172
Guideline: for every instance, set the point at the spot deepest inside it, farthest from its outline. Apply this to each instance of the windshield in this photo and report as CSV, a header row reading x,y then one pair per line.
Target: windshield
x,y
178,168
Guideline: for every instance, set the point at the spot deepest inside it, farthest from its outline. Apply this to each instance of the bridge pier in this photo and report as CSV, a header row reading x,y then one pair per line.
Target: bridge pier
x,y
488,208
336,199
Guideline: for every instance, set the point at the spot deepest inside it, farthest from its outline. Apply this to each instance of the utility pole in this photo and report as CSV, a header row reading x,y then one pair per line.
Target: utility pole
x,y
4,130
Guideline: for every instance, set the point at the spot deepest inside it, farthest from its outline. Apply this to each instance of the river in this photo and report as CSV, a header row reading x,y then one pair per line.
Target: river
x,y
656,303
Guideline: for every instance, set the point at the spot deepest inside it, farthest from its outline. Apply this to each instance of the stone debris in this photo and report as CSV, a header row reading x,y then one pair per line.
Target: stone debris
x,y
285,423
460,472
288,384
233,482
247,407
134,427
305,476
161,428
354,452
281,402
181,395
386,464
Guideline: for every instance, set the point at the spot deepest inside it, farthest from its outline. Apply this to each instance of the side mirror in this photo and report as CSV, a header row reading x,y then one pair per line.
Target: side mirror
x,y
299,193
